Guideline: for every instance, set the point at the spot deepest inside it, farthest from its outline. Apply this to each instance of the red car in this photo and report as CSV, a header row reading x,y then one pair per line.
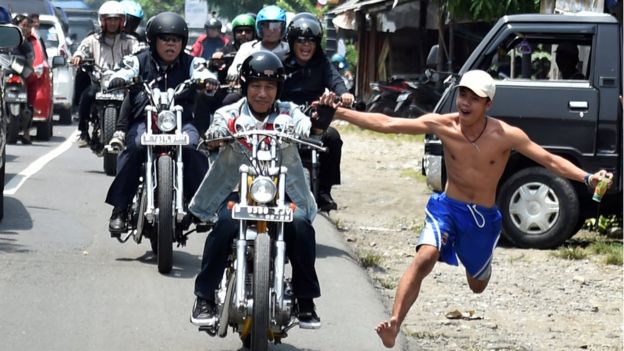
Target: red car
x,y
40,90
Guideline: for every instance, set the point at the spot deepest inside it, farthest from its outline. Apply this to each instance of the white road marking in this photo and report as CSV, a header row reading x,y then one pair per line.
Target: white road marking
x,y
18,180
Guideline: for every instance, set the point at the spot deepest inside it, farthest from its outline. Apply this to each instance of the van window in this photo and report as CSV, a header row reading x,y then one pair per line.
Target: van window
x,y
42,7
540,57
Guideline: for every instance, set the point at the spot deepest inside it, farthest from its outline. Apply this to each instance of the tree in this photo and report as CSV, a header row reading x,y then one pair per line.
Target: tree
x,y
487,10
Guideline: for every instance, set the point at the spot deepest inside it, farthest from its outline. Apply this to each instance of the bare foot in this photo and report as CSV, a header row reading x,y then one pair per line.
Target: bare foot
x,y
388,331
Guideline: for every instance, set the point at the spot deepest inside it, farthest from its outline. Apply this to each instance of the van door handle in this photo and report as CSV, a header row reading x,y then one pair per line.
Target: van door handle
x,y
578,105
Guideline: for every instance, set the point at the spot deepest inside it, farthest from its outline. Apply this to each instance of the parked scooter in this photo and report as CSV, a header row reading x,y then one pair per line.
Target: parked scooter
x,y
384,96
104,113
255,295
419,97
16,96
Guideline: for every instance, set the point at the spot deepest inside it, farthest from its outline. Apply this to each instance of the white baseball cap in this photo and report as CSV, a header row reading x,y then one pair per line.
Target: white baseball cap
x,y
480,82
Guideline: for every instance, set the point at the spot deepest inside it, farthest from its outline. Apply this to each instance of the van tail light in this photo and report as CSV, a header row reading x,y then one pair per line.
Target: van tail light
x,y
14,79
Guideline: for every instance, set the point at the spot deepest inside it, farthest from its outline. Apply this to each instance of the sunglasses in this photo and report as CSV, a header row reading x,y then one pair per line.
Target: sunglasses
x,y
170,39
304,40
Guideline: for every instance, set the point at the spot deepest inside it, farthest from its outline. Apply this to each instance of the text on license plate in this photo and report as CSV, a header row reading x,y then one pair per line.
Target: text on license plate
x,y
262,213
164,139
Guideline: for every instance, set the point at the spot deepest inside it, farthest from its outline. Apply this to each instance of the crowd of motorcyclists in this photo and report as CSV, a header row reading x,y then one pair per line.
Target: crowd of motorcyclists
x,y
271,66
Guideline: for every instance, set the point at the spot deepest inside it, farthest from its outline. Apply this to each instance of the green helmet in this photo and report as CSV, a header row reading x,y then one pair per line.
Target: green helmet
x,y
244,20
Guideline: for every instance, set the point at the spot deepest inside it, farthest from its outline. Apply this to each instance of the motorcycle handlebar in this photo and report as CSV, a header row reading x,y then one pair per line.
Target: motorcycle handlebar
x,y
310,142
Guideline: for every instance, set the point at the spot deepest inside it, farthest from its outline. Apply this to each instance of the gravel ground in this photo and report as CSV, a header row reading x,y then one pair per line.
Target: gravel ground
x,y
535,301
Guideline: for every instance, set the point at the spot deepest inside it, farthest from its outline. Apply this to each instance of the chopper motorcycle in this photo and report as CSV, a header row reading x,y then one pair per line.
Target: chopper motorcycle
x,y
255,295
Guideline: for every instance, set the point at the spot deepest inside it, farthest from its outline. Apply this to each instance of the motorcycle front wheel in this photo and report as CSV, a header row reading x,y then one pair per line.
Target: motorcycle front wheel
x,y
261,307
165,214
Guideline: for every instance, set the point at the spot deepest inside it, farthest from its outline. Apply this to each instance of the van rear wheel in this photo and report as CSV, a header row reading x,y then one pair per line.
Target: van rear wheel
x,y
540,210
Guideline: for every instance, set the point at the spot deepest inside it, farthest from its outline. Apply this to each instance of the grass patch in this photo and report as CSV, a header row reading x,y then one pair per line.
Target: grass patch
x,y
426,335
370,260
571,253
387,283
610,252
353,129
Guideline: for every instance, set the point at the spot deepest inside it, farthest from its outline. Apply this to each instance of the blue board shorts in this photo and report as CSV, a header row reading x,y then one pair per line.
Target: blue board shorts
x,y
463,231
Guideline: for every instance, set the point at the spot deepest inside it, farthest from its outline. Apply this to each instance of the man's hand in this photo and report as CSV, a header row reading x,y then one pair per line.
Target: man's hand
x,y
217,55
593,179
76,60
215,133
347,99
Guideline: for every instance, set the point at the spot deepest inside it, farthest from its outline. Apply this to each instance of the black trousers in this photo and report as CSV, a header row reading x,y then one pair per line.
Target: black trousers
x,y
329,171
300,241
87,99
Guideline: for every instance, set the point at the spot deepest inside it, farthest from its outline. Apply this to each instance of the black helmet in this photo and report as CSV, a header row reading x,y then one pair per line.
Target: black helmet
x,y
213,23
305,26
167,23
262,65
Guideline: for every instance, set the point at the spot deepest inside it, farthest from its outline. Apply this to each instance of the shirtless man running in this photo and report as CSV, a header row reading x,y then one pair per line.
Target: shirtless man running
x,y
463,222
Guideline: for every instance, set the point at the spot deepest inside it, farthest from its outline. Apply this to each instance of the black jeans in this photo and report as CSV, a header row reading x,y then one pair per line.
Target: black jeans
x,y
329,170
300,241
87,99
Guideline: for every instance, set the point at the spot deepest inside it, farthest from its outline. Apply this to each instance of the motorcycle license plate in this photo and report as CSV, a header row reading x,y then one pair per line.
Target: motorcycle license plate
x,y
15,97
261,213
164,139
109,96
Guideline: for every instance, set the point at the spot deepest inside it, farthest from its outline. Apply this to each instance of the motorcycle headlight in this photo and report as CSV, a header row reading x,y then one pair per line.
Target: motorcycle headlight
x,y
166,121
263,190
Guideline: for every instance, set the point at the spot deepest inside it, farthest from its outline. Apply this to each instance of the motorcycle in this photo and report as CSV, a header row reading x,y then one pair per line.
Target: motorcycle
x,y
158,210
418,98
255,295
16,96
384,96
104,113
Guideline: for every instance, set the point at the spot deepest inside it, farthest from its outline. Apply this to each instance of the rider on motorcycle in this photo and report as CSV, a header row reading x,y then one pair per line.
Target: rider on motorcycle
x,y
308,74
108,48
262,77
27,52
270,30
243,27
167,35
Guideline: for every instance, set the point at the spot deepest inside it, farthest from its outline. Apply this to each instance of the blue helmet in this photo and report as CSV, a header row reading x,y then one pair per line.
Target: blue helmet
x,y
5,15
270,13
339,61
133,8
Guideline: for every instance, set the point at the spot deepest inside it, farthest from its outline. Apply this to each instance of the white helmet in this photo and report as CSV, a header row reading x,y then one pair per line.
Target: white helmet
x,y
111,9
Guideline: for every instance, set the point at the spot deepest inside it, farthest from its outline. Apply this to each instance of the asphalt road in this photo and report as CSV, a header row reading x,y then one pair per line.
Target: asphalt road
x,y
66,285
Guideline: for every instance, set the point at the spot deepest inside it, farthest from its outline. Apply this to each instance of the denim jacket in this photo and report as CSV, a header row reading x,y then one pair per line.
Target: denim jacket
x,y
223,176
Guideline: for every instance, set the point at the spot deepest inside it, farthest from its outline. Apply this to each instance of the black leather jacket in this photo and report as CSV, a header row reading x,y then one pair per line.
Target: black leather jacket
x,y
150,68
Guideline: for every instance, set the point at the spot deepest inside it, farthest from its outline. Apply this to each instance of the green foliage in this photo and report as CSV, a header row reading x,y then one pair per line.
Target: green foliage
x,y
603,224
571,253
351,56
154,7
370,260
488,10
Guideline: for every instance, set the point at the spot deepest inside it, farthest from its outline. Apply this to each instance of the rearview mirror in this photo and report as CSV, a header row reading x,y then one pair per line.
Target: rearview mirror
x,y
432,57
10,36
58,61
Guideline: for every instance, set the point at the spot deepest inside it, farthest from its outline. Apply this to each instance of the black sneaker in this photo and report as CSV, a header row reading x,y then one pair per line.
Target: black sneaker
x,y
204,313
117,223
308,319
83,141
326,202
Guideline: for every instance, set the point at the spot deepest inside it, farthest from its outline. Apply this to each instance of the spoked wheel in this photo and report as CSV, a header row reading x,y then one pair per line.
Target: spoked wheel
x,y
108,129
261,308
165,214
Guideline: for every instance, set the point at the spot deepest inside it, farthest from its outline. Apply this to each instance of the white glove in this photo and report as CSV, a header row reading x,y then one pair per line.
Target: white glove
x,y
302,128
116,144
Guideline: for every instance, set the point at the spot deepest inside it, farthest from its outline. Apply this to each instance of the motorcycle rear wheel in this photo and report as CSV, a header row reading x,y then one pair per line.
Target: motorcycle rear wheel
x,y
108,129
261,307
165,214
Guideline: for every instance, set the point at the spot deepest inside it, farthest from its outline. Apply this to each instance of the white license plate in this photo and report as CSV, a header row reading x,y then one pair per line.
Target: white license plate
x,y
16,96
262,213
109,96
164,139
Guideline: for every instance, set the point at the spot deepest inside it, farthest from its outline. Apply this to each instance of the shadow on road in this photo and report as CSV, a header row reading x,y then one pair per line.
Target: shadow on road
x,y
16,218
185,265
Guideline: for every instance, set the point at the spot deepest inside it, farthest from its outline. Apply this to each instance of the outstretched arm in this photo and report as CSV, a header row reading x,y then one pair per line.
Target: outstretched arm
x,y
555,163
379,122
